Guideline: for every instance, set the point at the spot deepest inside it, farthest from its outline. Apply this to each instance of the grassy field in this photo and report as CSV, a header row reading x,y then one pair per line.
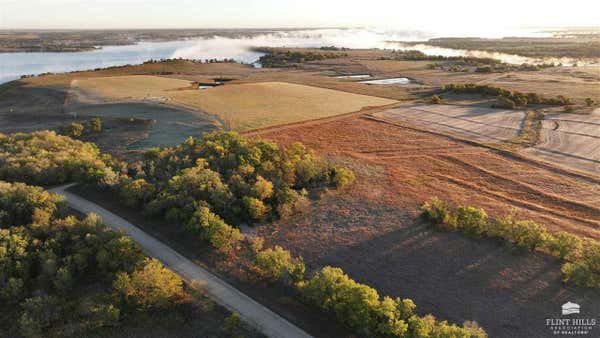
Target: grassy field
x,y
240,106
256,105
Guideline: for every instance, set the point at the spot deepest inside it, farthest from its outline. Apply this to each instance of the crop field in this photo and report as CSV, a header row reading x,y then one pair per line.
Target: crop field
x,y
256,105
571,140
373,233
474,123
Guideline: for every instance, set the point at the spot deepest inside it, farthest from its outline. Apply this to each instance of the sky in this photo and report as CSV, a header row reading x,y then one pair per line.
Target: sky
x,y
467,17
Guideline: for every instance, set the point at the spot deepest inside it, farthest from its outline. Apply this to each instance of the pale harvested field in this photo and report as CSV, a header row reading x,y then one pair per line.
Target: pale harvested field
x,y
570,140
474,123
131,87
255,105
241,106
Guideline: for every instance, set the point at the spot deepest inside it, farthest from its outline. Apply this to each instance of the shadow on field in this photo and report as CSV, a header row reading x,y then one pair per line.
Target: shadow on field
x,y
509,293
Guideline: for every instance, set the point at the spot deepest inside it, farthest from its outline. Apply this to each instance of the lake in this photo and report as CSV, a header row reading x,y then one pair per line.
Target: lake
x,y
14,65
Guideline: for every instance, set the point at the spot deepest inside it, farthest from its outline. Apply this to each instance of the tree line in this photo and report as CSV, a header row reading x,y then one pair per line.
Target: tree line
x,y
280,59
581,257
506,98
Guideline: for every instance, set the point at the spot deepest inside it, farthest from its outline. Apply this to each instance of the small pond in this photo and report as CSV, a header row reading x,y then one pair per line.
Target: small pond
x,y
357,76
396,80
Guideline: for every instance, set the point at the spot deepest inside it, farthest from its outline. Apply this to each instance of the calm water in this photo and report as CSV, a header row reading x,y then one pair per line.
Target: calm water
x,y
13,65
396,80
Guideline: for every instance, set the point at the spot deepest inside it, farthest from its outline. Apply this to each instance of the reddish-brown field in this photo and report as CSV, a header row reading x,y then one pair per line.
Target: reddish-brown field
x,y
416,165
373,233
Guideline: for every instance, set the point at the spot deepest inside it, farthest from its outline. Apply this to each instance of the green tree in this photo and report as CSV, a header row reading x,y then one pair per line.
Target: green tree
x,y
150,286
589,101
341,177
256,208
96,124
436,99
73,129
276,263
212,228
262,188
470,220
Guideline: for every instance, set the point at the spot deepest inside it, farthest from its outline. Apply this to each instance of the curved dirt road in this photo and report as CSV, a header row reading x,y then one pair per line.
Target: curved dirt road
x,y
263,319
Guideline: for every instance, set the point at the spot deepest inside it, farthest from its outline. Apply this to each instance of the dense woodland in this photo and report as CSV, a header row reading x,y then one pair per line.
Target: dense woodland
x,y
61,275
46,158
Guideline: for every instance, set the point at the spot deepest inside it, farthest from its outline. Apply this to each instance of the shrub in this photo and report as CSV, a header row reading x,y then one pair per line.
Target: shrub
x,y
290,202
96,125
580,274
278,264
583,268
436,99
589,101
135,193
565,245
525,234
341,177
233,325
262,189
470,220
212,228
437,212
103,315
504,103
257,210
39,312
73,129
151,285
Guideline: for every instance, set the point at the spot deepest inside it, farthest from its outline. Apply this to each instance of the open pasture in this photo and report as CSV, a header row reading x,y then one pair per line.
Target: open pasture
x,y
255,105
474,123
241,106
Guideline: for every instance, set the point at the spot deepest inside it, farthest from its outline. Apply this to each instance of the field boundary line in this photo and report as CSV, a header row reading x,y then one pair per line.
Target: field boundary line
x,y
364,110
532,189
530,205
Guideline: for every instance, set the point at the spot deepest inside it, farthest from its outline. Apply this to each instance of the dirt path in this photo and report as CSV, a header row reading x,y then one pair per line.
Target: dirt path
x,y
254,313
